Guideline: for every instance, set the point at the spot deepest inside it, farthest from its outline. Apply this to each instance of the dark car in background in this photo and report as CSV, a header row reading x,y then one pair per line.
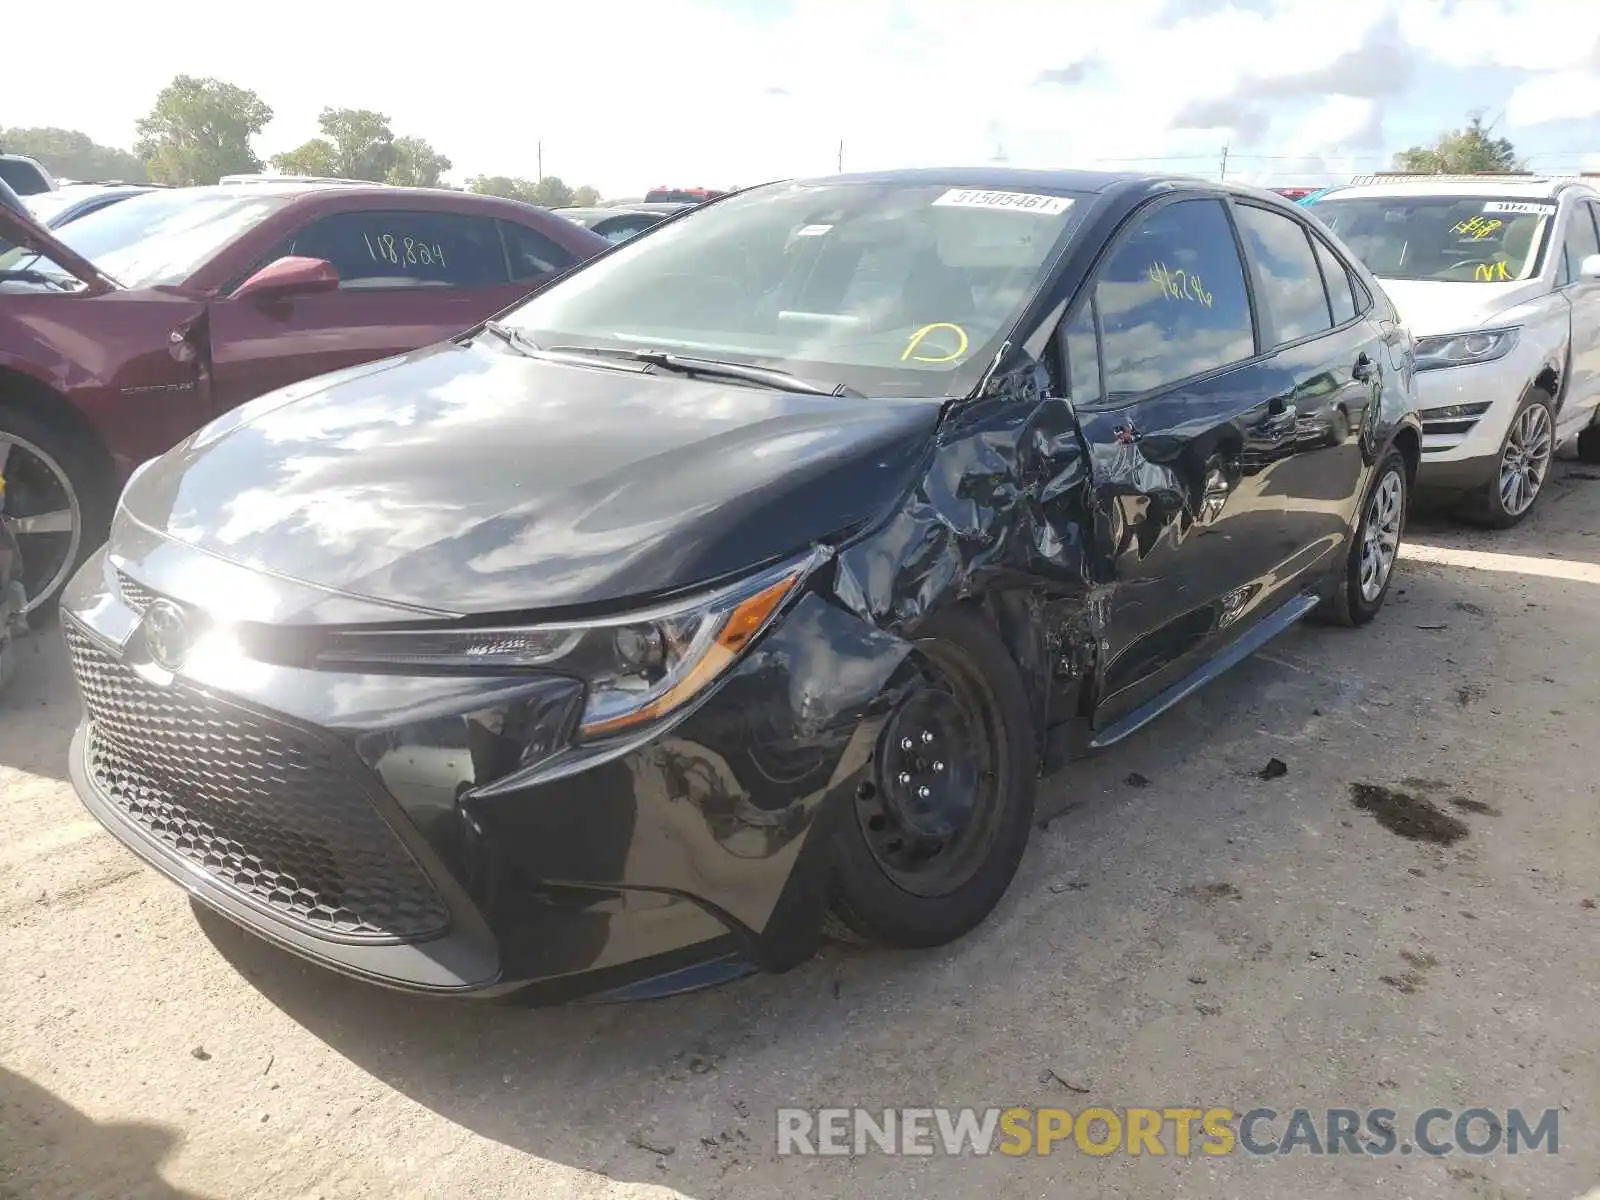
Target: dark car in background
x,y
619,223
127,329
25,176
73,200
740,584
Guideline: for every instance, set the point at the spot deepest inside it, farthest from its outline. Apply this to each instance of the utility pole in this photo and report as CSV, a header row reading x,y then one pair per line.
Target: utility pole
x,y
1222,171
841,156
539,151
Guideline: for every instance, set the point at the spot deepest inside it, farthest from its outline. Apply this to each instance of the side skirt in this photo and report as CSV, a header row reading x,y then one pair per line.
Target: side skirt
x,y
1070,741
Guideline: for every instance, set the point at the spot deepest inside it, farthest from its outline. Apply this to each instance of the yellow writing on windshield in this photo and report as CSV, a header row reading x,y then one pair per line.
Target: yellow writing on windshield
x,y
1179,284
1477,228
1490,272
914,343
405,252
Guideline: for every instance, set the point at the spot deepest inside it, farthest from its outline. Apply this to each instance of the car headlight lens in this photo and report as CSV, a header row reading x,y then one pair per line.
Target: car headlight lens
x,y
1463,349
638,667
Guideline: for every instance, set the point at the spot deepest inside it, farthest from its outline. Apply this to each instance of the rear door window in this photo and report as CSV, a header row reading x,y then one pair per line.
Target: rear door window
x,y
386,248
1172,299
1341,294
531,253
1295,304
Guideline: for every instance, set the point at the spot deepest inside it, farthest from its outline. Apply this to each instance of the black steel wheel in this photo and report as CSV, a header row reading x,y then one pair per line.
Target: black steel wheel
x,y
942,815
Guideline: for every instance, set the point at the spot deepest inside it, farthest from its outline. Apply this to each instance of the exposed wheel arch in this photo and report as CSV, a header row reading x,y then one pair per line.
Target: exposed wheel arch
x,y
42,402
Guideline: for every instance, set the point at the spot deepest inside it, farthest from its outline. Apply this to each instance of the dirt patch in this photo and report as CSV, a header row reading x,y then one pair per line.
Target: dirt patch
x,y
1210,893
1414,817
1411,981
1466,804
1469,693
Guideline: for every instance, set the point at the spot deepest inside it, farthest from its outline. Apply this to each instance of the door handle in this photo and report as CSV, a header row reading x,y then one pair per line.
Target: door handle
x,y
1362,371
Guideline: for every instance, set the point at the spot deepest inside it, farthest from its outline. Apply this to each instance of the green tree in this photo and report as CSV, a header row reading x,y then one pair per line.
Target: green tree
x,y
586,196
199,130
315,157
362,140
550,192
416,164
509,186
1466,151
69,154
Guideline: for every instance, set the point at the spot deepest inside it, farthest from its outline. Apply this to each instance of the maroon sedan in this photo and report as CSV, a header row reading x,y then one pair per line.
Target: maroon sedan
x,y
124,331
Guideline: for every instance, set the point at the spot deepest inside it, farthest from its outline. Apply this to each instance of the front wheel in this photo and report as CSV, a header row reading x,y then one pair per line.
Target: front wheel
x,y
1369,566
56,505
1524,465
943,813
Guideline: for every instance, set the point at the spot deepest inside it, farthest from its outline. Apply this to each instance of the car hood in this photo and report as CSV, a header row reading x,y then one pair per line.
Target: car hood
x,y
1429,307
470,479
15,227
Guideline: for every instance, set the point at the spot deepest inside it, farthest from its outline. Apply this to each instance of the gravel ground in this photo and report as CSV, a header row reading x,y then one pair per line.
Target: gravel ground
x,y
1183,932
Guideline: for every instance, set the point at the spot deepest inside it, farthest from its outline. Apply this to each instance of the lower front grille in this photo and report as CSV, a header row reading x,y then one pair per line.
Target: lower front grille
x,y
268,813
134,594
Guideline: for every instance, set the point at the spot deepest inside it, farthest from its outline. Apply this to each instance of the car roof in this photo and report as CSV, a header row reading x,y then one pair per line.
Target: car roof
x,y
1008,178
1520,187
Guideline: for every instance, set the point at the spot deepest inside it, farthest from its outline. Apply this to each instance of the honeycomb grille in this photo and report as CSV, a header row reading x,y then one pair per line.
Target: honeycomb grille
x,y
134,594
264,811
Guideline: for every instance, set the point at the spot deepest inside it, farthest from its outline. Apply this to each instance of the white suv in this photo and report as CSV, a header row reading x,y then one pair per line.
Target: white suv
x,y
1499,279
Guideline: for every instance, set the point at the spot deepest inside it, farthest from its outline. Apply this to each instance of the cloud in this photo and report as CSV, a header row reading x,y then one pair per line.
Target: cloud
x,y
1561,96
1242,116
1143,80
1071,75
1380,65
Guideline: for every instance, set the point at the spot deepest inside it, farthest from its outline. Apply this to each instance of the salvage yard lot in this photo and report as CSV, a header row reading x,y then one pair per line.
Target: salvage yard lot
x,y
1188,928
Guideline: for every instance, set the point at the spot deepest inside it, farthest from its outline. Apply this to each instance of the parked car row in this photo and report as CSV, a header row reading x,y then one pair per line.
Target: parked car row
x,y
124,330
737,585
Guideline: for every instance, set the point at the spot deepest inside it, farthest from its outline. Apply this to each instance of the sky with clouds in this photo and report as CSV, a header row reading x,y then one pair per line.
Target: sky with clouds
x,y
625,95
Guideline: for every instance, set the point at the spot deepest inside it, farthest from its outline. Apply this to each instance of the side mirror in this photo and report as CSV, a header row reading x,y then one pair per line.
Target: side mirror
x,y
1589,268
288,277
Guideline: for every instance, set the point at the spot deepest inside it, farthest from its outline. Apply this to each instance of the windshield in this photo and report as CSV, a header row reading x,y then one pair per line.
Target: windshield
x,y
161,237
1451,239
889,288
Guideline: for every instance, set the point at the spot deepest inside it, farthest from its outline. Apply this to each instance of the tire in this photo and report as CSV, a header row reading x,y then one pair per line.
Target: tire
x,y
1383,509
50,469
889,900
1589,445
1488,506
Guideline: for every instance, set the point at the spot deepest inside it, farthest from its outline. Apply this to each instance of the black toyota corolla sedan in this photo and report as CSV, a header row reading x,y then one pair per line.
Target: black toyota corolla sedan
x,y
738,587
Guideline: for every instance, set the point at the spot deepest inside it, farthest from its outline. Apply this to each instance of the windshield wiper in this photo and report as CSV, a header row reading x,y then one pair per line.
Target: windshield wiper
x,y
514,338
25,276
715,368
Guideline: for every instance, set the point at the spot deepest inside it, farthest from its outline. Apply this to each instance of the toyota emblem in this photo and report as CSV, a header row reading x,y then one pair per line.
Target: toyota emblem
x,y
166,635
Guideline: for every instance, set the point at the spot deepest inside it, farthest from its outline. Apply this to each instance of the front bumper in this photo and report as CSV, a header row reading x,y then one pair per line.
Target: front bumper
x,y
1463,454
437,834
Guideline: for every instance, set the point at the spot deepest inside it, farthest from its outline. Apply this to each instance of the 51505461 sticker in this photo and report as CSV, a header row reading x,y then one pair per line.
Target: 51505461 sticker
x,y
1026,202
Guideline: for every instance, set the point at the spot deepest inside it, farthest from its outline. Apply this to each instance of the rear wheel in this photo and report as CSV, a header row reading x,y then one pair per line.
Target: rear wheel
x,y
1369,566
1524,465
54,505
942,817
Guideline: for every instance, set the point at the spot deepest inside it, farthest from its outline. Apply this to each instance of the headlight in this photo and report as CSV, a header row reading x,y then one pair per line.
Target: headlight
x,y
639,667
1463,349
